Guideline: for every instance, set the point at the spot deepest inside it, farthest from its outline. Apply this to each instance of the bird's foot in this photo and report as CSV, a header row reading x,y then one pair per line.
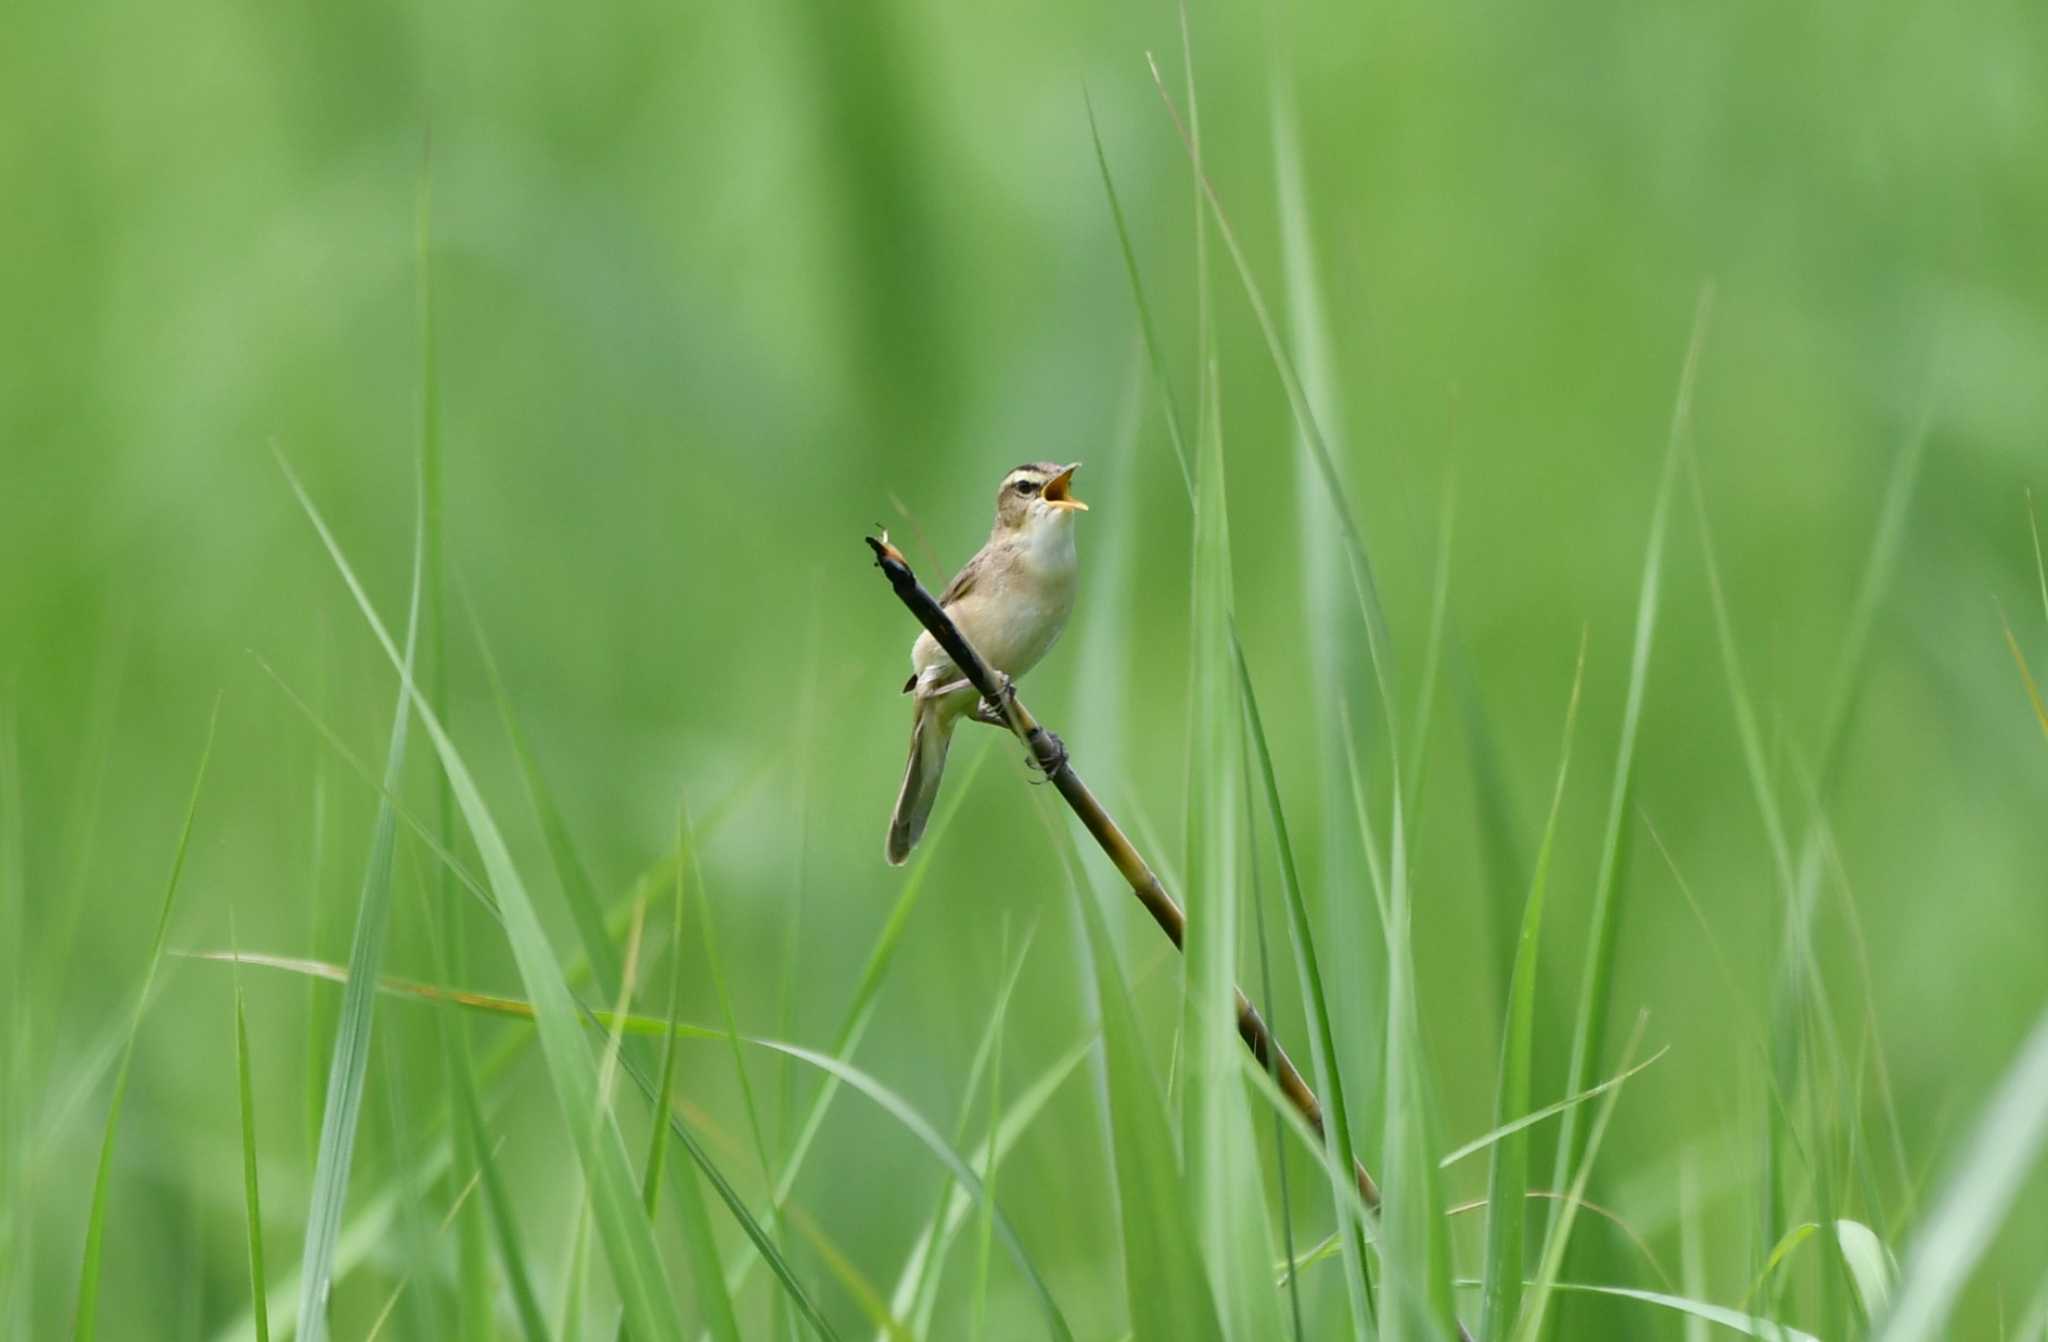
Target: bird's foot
x,y
995,711
1049,753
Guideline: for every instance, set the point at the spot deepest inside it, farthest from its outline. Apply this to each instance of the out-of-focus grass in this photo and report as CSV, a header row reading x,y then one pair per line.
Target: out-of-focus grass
x,y
711,288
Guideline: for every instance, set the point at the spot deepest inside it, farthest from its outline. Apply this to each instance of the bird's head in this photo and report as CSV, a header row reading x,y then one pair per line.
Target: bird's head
x,y
1037,494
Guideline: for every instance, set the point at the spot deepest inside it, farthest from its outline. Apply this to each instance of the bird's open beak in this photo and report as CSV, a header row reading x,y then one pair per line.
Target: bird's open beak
x,y
1056,490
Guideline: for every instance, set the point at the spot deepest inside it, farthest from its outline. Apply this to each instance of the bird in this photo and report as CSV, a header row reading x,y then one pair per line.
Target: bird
x,y
1010,602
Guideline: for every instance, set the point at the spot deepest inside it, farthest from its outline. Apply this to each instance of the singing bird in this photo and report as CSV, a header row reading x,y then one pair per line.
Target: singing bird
x,y
1011,601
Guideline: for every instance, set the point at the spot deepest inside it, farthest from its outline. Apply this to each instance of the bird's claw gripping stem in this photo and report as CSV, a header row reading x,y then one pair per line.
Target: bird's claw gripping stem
x,y
1049,752
995,710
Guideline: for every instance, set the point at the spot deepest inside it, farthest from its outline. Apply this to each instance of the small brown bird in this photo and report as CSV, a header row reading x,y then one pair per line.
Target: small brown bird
x,y
1010,601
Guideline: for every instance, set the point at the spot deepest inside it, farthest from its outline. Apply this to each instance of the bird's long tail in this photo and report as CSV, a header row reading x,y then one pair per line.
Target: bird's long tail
x,y
931,732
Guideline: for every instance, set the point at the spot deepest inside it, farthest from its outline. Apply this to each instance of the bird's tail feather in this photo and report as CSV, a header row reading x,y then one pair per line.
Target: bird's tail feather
x,y
931,732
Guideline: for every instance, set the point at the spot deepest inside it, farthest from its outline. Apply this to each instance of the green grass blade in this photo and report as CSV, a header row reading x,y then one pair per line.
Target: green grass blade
x,y
2040,564
96,1219
348,1065
629,1244
504,1226
713,1302
860,1009
985,1229
252,1193
1747,1324
1365,585
1220,1151
1493,1137
1508,1179
724,994
585,910
1255,869
2002,1152
1596,987
1415,1299
918,1126
1339,1155
1148,332
1008,1129
1168,1293
727,1194
1536,1306
473,1283
922,1267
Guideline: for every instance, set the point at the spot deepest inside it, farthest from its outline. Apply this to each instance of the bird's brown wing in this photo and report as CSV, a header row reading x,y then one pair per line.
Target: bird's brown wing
x,y
963,582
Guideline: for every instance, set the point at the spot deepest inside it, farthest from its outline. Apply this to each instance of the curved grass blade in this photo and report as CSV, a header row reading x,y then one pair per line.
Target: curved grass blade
x,y
2003,1150
96,1220
1551,1110
920,1270
919,1279
1749,1325
860,1010
727,1194
1508,1179
919,1127
629,1244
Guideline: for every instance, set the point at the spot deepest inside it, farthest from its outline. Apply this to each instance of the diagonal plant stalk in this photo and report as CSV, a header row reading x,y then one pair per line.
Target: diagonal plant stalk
x,y
1003,707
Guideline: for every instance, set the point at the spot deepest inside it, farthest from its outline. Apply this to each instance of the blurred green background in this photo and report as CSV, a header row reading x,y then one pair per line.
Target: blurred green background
x,y
717,288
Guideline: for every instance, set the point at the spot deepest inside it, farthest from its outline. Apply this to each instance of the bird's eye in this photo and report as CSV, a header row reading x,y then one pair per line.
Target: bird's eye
x,y
1027,487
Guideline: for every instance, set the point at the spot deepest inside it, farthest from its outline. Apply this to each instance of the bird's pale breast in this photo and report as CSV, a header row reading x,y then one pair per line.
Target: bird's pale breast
x,y
1016,609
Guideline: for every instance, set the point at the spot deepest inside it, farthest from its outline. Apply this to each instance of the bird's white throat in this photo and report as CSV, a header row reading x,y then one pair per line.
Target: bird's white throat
x,y
1049,541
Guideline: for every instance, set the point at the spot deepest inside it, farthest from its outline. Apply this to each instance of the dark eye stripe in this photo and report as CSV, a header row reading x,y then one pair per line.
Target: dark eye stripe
x,y
1027,486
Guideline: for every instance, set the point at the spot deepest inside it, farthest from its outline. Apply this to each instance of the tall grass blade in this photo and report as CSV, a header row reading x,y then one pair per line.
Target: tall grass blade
x,y
2002,1152
1154,358
1596,988
252,1193
1415,1299
1537,1304
629,1244
985,1230
1364,584
1168,1294
713,1302
87,1317
1220,1152
1339,671
1508,1179
1339,1155
349,1063
473,1282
